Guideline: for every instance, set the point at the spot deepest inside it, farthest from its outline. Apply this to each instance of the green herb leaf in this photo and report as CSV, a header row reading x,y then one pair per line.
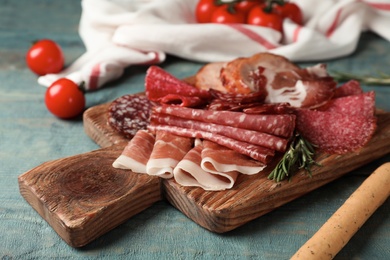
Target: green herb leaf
x,y
299,156
379,79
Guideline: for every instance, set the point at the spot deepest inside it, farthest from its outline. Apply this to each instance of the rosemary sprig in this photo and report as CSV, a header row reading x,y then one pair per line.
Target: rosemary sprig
x,y
379,79
299,156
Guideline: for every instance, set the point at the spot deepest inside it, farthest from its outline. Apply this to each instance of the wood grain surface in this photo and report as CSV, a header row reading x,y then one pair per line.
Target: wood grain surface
x,y
83,197
251,196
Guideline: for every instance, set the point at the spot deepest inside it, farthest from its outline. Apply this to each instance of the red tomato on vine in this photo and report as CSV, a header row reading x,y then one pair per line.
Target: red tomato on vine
x,y
223,15
45,56
291,11
204,10
64,99
258,16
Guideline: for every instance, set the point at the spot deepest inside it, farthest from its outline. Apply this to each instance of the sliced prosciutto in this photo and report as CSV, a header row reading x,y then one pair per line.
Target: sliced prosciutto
x,y
279,125
349,88
137,152
219,159
188,172
167,151
163,87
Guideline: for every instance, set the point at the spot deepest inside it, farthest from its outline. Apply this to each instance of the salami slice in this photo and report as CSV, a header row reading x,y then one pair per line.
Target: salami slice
x,y
353,105
349,88
256,152
249,136
279,125
159,83
335,132
129,113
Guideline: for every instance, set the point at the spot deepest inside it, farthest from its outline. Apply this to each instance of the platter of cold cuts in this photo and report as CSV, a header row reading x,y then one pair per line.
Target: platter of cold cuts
x,y
224,146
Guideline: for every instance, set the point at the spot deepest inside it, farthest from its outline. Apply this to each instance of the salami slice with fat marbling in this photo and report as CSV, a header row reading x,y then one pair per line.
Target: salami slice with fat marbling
x,y
130,113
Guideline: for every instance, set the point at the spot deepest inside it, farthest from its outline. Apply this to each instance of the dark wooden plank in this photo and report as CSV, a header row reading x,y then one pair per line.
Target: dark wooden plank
x,y
83,196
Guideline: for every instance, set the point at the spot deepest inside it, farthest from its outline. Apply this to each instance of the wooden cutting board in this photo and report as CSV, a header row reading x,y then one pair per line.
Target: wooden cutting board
x,y
83,196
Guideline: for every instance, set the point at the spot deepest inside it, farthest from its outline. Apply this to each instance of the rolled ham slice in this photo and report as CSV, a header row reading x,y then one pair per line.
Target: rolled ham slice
x,y
167,151
189,172
137,152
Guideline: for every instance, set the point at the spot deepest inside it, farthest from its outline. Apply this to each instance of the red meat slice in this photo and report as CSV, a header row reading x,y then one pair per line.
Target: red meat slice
x,y
279,125
346,124
335,132
349,88
159,83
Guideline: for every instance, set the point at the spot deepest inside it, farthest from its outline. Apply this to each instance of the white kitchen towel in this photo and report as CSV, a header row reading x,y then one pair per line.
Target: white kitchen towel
x,y
121,33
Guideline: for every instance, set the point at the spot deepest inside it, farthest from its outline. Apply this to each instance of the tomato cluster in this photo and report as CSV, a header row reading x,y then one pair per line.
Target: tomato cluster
x,y
63,98
255,12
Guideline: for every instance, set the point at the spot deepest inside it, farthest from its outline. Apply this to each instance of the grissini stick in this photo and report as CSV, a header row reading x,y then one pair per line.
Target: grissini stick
x,y
347,220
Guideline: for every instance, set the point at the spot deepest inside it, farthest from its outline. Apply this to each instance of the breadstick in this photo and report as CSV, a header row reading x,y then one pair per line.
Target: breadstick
x,y
348,219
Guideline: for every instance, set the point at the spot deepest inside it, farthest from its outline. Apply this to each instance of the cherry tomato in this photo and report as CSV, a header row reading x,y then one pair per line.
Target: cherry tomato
x,y
246,5
223,15
45,56
290,10
64,99
204,10
257,16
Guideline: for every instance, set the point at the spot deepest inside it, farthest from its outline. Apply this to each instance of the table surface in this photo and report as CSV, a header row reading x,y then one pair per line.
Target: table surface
x,y
29,136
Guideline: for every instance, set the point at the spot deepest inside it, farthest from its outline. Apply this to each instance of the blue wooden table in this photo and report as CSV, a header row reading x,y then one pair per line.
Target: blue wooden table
x,y
29,136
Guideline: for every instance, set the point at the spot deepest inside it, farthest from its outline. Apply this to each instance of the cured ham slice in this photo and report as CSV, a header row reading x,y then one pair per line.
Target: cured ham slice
x,y
256,152
219,159
159,84
167,151
279,125
249,136
136,153
189,172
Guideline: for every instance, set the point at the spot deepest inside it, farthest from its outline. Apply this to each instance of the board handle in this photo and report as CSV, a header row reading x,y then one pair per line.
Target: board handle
x,y
83,196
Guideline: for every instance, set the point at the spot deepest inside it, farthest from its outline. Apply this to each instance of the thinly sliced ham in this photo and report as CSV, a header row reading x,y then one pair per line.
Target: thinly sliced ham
x,y
189,172
250,136
219,159
279,125
256,152
167,151
137,152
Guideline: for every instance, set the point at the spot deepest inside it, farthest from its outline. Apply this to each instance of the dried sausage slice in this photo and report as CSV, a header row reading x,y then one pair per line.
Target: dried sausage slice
x,y
129,113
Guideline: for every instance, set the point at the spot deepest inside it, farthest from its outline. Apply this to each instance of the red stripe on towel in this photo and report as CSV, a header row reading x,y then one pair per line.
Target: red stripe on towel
x,y
252,35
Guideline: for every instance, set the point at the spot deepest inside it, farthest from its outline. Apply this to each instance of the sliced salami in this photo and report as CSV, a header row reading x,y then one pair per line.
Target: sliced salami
x,y
159,83
349,88
279,125
249,136
353,105
129,113
256,152
335,133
